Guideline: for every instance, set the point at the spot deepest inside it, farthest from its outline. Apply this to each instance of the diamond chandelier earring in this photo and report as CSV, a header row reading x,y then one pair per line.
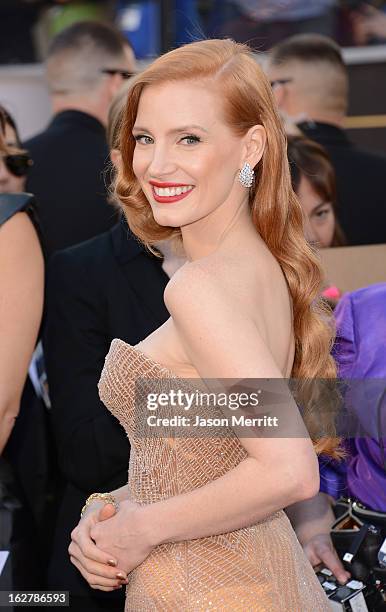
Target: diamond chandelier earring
x,y
246,175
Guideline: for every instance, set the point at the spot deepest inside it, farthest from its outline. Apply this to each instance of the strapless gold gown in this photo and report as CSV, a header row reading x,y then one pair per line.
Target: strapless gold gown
x,y
257,568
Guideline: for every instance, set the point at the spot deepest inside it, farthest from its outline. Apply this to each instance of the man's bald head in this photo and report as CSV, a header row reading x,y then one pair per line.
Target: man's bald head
x,y
317,81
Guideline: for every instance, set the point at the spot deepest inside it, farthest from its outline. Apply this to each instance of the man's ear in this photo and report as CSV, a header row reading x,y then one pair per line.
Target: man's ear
x,y
255,141
116,158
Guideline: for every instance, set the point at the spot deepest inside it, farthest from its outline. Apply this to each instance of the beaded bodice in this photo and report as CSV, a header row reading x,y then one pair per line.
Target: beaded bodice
x,y
257,568
154,474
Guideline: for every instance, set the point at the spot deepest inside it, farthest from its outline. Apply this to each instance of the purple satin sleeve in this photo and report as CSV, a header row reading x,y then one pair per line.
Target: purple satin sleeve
x,y
333,477
366,478
360,353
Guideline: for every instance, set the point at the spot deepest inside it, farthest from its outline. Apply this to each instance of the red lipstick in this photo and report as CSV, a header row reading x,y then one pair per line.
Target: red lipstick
x,y
170,198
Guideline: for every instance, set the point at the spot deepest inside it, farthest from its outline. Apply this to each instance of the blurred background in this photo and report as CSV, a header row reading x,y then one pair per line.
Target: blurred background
x,y
59,140
156,26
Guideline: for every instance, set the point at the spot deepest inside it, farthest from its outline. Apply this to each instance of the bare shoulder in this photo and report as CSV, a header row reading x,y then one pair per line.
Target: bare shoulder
x,y
199,301
209,321
193,282
19,221
19,243
19,227
233,301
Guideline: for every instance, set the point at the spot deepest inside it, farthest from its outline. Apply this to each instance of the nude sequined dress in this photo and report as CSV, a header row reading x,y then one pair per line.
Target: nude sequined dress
x,y
258,568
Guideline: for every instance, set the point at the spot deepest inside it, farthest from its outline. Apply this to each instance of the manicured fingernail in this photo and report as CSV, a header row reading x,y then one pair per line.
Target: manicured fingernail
x,y
121,575
111,562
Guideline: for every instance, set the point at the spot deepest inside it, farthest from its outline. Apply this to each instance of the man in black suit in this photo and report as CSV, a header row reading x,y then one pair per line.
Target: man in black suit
x,y
85,67
310,84
105,288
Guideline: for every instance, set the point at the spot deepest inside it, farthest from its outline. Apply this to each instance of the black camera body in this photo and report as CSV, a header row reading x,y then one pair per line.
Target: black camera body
x,y
358,536
355,595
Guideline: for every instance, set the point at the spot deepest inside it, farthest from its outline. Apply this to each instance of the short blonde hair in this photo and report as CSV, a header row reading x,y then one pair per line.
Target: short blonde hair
x,y
321,59
78,54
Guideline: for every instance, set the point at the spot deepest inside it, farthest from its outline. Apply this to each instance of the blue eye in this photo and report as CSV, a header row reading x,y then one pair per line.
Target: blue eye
x,y
191,139
143,139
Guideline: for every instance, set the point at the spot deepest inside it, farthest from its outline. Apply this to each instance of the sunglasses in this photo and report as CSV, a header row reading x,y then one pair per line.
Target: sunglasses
x,y
112,71
18,164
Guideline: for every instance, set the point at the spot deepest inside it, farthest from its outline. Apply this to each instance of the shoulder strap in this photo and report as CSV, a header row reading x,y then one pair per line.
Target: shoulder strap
x,y
12,203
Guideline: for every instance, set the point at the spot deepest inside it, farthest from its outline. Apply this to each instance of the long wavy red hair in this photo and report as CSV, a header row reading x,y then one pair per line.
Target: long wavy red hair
x,y
246,98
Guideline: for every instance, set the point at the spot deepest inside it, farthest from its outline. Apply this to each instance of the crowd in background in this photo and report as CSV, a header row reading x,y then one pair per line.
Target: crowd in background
x,y
101,283
26,26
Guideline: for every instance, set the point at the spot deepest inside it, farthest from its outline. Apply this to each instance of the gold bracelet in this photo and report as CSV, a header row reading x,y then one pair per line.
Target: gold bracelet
x,y
106,497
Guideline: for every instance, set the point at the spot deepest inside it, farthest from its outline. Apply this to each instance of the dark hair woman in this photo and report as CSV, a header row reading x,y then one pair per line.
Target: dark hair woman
x,y
14,162
21,291
313,180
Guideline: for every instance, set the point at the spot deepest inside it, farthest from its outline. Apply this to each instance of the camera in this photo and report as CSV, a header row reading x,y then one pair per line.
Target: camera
x,y
355,595
359,538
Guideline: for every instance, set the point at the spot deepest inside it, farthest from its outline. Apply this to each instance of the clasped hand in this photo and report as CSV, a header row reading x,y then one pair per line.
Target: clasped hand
x,y
107,545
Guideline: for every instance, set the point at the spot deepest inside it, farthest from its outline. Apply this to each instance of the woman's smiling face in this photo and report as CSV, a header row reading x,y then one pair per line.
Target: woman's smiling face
x,y
186,157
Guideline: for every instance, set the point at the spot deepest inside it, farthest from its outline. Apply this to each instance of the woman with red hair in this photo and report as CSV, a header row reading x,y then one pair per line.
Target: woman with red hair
x,y
201,523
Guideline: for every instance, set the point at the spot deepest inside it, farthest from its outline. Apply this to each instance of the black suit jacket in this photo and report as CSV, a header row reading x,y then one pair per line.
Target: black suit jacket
x,y
105,288
361,181
68,179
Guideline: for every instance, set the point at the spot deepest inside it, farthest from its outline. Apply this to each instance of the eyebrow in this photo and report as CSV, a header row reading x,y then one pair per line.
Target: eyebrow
x,y
184,128
324,203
